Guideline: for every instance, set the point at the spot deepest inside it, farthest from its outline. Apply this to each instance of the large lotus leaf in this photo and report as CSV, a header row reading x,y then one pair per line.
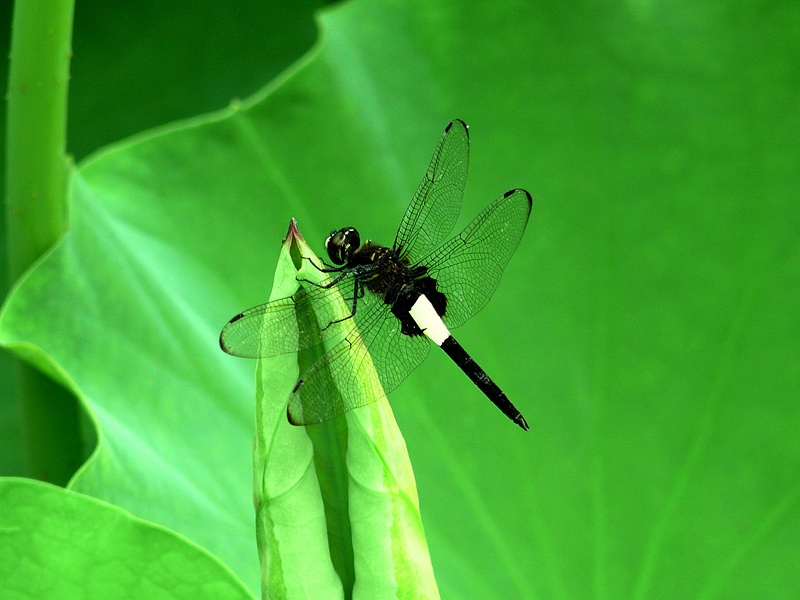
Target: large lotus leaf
x,y
646,327
60,544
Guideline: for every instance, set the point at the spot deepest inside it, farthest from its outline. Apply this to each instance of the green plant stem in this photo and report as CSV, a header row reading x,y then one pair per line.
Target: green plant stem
x,y
36,200
37,112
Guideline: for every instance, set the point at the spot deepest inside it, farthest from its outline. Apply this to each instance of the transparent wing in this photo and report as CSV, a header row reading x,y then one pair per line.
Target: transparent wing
x,y
434,209
339,381
274,328
468,267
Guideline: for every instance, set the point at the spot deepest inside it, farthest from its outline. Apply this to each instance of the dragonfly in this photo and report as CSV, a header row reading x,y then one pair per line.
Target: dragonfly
x,y
398,299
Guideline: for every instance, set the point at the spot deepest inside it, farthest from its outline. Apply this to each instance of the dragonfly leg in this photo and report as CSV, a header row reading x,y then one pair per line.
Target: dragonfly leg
x,y
327,285
358,293
327,268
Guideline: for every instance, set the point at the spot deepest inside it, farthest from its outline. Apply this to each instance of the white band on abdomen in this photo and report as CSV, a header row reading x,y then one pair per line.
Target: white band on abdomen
x,y
427,319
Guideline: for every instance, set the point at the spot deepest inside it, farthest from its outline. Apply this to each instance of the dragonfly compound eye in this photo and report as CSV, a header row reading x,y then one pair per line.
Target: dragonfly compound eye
x,y
342,244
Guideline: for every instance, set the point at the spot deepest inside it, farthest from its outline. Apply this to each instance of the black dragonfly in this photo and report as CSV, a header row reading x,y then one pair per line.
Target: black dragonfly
x,y
395,297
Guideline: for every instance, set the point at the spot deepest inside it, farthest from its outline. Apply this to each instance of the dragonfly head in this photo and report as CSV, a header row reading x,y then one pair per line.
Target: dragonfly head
x,y
342,244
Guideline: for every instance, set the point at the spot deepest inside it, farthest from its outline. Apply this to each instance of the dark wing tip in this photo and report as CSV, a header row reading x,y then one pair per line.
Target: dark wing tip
x,y
528,195
291,419
525,192
457,122
225,347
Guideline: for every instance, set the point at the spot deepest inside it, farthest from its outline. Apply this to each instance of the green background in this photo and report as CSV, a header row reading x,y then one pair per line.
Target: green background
x,y
646,327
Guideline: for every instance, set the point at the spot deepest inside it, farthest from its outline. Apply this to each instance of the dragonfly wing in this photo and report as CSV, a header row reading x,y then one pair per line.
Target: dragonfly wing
x,y
434,209
340,380
242,335
289,324
468,267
